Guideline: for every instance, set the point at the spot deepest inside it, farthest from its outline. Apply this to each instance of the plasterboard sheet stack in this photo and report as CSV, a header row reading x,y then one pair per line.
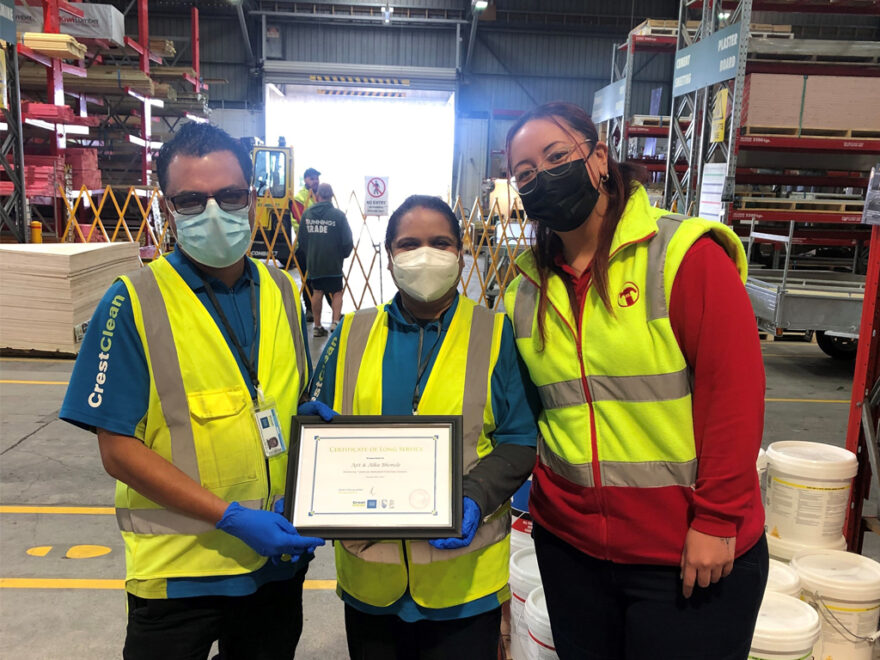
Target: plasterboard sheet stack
x,y
48,292
829,102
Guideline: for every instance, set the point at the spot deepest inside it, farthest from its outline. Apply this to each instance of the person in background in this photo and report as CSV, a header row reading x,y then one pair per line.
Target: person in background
x,y
325,240
181,361
637,330
300,203
431,351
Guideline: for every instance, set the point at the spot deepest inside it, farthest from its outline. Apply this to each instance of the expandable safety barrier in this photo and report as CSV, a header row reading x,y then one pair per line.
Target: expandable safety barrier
x,y
492,236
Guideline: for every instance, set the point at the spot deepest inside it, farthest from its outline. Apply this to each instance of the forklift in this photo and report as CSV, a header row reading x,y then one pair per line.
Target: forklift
x,y
273,183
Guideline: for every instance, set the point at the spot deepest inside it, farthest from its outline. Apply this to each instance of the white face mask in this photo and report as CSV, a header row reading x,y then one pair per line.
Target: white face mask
x,y
214,237
425,273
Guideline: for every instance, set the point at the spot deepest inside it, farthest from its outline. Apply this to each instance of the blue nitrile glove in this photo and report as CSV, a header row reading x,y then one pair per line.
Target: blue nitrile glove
x,y
322,410
470,520
268,533
278,507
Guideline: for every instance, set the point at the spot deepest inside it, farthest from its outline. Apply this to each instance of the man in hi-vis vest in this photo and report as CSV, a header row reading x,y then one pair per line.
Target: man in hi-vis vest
x,y
185,371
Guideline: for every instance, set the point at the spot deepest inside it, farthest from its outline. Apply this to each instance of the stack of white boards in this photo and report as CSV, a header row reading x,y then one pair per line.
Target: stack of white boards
x,y
48,292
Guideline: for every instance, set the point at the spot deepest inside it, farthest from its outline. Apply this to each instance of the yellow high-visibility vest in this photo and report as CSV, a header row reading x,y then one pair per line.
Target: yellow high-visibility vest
x,y
617,380
380,572
200,419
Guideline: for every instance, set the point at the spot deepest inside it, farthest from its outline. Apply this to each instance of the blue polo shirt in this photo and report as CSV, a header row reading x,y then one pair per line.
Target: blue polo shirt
x,y
126,390
515,406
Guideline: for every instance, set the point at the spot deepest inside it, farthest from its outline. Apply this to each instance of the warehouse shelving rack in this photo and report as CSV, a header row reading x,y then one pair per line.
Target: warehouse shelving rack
x,y
695,90
14,210
613,103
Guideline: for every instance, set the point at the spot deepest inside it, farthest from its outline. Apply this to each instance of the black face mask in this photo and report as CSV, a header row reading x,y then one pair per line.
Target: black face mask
x,y
562,202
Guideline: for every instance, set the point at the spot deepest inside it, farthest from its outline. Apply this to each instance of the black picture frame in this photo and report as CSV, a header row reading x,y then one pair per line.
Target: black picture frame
x,y
399,422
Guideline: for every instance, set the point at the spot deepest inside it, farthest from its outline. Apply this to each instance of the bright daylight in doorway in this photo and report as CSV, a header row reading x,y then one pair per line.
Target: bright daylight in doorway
x,y
410,140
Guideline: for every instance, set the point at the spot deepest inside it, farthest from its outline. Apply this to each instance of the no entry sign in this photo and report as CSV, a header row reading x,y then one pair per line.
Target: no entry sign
x,y
376,198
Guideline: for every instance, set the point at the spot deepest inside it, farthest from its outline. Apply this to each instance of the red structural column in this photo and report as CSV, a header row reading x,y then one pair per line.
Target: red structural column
x,y
194,43
867,370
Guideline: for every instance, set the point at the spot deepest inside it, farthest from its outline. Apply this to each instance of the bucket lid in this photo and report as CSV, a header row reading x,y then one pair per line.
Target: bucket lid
x,y
783,579
524,570
785,624
785,549
838,574
761,463
813,460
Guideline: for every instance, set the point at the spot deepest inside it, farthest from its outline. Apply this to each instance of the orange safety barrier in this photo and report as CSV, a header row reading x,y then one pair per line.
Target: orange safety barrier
x,y
492,239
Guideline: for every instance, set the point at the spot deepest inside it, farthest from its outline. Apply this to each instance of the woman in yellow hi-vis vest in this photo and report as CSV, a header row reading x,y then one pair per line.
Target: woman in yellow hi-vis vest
x,y
640,338
432,351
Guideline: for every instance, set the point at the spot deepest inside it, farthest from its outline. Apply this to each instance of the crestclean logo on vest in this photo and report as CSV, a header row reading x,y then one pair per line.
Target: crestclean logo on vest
x,y
97,395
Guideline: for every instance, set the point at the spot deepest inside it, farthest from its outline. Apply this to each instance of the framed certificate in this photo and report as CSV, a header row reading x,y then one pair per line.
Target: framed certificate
x,y
375,477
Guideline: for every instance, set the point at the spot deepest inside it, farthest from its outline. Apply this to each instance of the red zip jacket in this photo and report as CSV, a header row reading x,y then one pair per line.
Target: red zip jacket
x,y
712,319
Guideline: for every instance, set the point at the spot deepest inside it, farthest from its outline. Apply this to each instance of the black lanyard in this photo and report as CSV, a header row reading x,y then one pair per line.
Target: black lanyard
x,y
247,360
417,394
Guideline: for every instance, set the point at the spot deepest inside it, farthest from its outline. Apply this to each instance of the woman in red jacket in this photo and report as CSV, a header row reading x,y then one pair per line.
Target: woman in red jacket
x,y
638,332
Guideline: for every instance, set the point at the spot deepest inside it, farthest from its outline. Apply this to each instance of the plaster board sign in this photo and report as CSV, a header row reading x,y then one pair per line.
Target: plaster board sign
x,y
98,22
708,61
376,197
608,101
7,21
711,188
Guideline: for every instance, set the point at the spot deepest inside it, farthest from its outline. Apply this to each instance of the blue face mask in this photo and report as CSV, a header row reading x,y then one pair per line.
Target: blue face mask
x,y
214,238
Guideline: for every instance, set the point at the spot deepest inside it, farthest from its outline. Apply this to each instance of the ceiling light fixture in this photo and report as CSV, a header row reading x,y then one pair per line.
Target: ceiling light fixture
x,y
480,5
387,11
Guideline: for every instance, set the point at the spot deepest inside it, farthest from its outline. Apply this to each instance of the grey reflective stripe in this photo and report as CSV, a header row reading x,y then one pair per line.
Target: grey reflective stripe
x,y
580,474
356,344
655,288
489,533
282,281
649,474
379,552
476,384
562,394
656,387
166,372
524,308
164,521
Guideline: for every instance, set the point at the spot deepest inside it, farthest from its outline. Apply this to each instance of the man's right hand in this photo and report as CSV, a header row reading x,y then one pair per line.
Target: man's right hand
x,y
269,534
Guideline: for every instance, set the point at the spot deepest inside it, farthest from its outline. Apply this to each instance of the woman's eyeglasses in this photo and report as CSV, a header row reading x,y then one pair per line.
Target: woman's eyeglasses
x,y
525,179
193,203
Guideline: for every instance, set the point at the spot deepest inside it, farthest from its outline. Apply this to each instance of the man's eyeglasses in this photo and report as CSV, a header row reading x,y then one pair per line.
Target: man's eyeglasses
x,y
525,179
193,203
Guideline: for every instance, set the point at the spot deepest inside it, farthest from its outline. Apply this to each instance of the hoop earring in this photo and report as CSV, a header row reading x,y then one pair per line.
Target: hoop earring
x,y
604,178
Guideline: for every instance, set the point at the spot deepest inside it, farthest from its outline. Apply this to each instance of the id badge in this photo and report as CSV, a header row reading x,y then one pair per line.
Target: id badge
x,y
268,427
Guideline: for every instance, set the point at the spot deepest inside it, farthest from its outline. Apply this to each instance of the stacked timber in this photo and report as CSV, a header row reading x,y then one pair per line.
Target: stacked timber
x,y
49,292
54,45
84,170
820,106
100,80
163,47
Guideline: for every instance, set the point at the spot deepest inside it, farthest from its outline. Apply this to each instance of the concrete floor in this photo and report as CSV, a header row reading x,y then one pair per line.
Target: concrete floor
x,y
65,598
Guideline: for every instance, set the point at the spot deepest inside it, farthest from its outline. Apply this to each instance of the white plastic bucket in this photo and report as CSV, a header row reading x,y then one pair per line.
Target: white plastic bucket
x,y
783,579
761,465
524,578
808,486
784,550
521,533
540,641
787,629
845,589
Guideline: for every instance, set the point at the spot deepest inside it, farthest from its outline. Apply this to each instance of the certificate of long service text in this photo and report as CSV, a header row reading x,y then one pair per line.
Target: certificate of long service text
x,y
366,476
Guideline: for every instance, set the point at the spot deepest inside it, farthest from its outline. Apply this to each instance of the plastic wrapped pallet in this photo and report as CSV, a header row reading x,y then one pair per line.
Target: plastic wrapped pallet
x,y
50,291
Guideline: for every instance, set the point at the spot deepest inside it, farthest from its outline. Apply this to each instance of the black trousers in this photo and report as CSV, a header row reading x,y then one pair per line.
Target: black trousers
x,y
381,637
600,610
265,625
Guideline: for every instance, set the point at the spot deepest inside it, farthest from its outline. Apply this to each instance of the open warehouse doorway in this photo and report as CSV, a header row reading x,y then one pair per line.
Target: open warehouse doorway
x,y
351,133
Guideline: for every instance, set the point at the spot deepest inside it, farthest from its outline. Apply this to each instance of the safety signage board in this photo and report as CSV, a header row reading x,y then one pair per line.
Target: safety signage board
x,y
707,62
608,101
376,198
7,21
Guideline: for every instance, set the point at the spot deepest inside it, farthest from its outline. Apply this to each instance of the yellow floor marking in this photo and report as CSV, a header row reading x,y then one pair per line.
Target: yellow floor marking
x,y
33,382
80,510
807,400
59,583
71,583
87,551
39,551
